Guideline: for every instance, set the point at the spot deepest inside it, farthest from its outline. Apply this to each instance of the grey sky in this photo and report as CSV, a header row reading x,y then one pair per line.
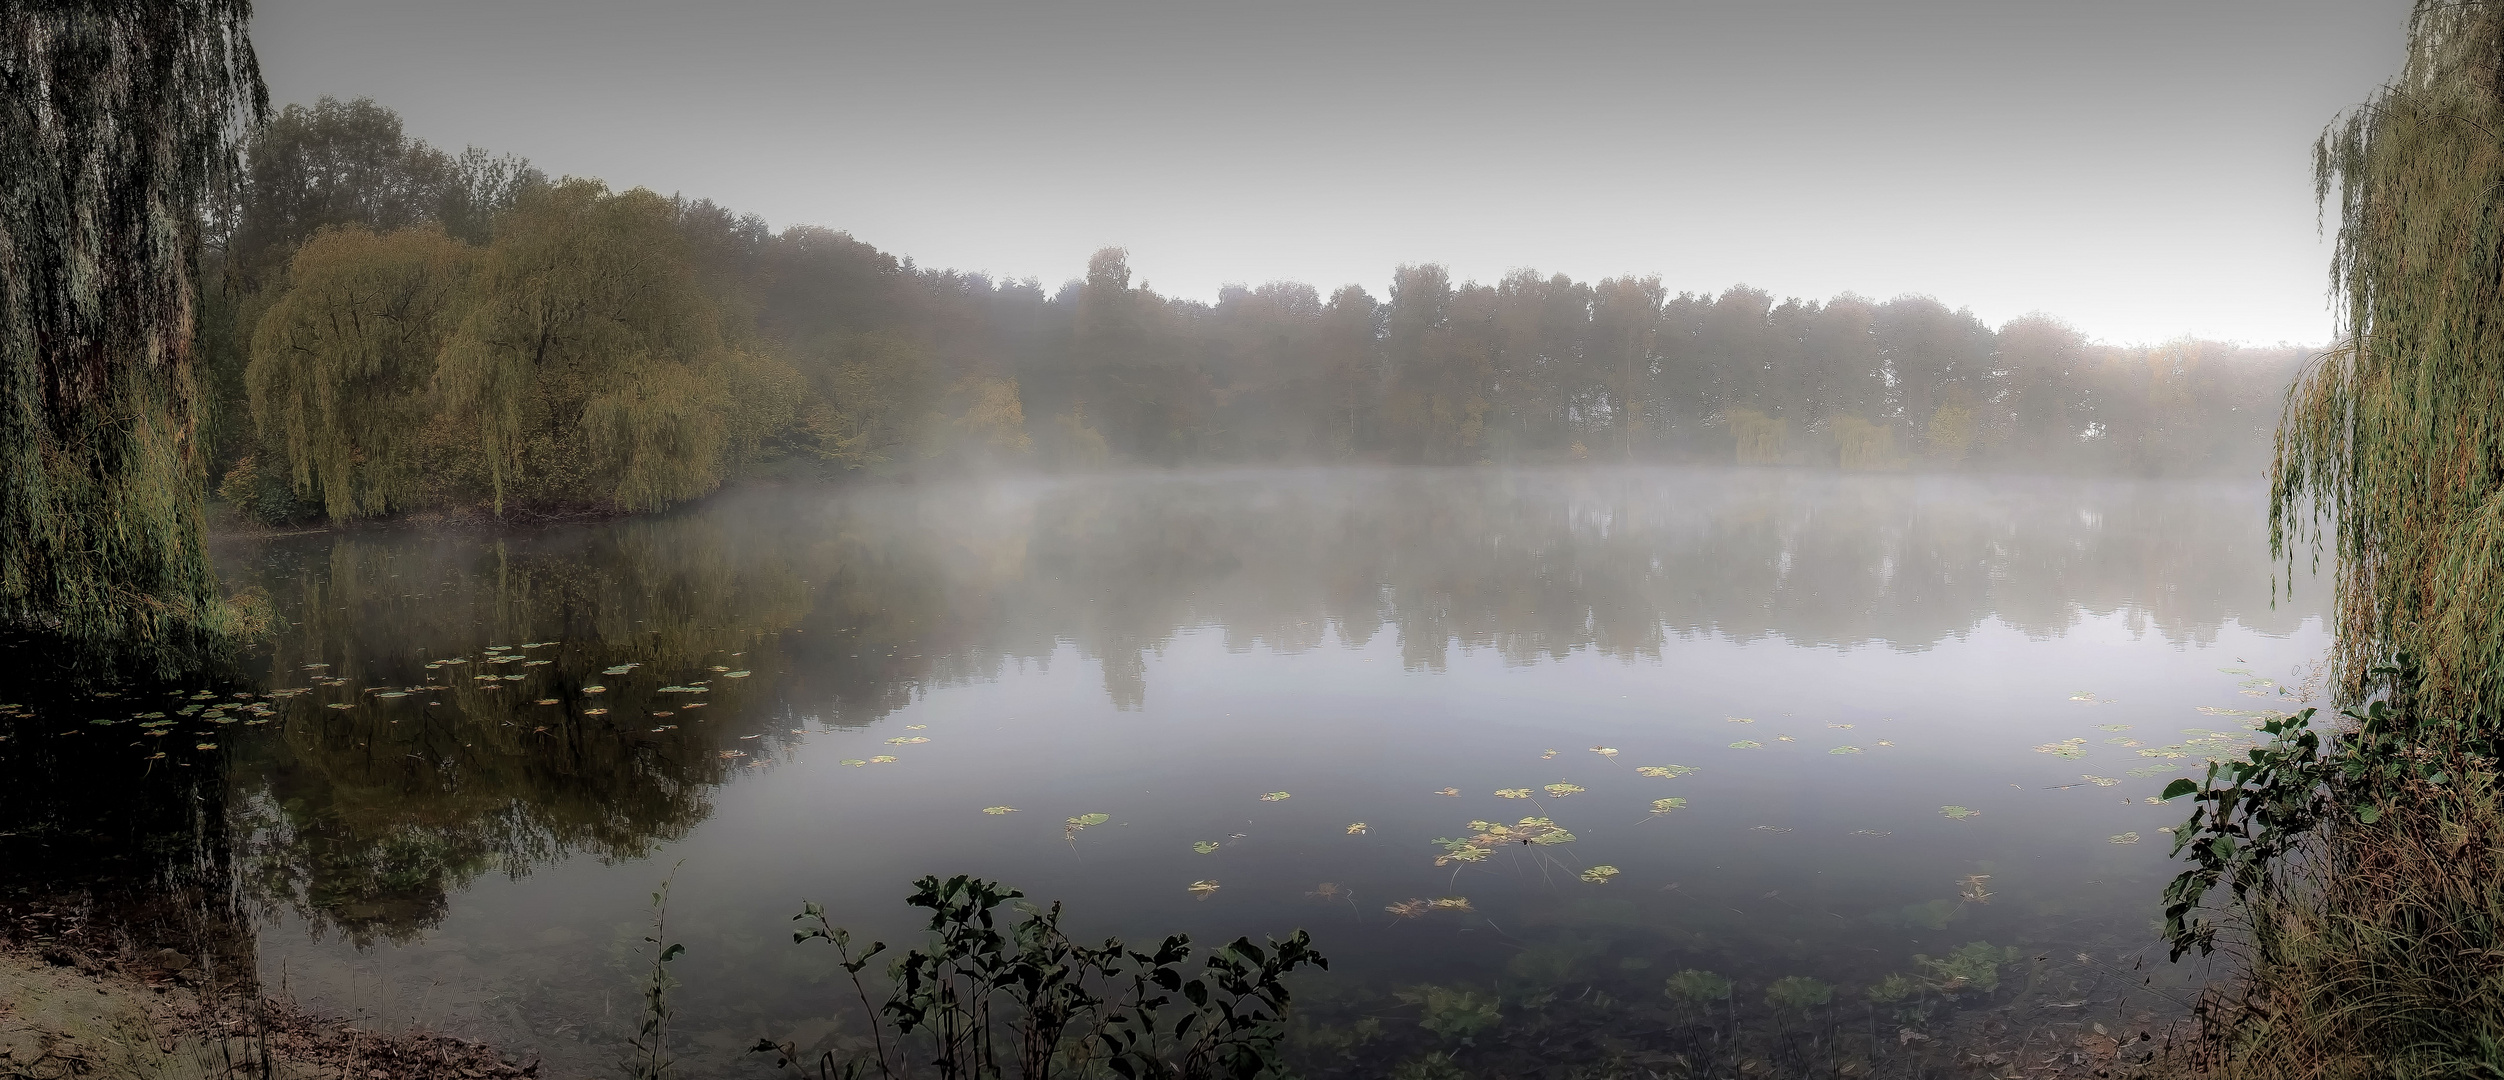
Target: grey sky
x,y
2138,167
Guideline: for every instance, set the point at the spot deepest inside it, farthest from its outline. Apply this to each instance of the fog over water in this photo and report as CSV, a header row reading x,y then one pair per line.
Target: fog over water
x,y
1883,687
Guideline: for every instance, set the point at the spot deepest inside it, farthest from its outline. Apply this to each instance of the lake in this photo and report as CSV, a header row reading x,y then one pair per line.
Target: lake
x,y
1798,724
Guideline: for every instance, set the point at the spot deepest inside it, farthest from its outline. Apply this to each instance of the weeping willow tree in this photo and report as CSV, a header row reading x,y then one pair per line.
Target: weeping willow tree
x,y
118,124
343,366
589,360
2391,451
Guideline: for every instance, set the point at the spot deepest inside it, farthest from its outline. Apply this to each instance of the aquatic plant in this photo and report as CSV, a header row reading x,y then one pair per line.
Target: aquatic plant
x,y
1798,993
651,1059
1695,986
1975,966
1454,1015
978,998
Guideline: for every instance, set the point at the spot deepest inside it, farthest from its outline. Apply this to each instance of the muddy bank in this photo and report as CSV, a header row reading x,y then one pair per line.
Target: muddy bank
x,y
148,1017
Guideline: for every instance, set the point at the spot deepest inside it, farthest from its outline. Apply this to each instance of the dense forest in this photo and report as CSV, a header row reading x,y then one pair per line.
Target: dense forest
x,y
389,328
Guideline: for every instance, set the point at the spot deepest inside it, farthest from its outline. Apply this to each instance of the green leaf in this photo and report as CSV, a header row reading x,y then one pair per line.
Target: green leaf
x,y
2369,814
2181,787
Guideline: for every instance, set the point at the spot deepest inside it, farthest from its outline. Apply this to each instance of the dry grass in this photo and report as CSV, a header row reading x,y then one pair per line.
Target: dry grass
x,y
2384,958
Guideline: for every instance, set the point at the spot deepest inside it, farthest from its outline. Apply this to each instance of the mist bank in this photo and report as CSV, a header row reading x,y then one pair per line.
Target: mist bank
x,y
392,329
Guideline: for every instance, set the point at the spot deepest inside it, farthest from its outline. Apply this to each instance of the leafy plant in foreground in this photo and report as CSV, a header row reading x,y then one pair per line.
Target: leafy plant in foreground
x,y
982,995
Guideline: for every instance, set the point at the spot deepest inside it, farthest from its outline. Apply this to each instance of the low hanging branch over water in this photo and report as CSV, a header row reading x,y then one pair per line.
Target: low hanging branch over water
x,y
118,126
2392,449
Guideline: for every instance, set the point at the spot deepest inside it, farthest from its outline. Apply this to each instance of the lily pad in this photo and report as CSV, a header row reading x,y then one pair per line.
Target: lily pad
x,y
1664,772
595,689
1275,796
2099,781
1845,750
1084,821
1513,793
907,740
735,674
1663,806
1559,791
1958,813
882,759
994,811
1747,744
1605,751
1451,792
1599,875
858,762
1204,846
2124,838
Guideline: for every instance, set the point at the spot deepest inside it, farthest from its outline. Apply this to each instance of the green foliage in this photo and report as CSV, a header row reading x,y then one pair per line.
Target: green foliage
x,y
120,133
651,1059
343,367
1974,966
1894,989
1453,1015
2391,451
1798,993
1696,987
979,996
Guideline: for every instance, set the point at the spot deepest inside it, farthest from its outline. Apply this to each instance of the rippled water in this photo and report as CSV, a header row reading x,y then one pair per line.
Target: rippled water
x,y
1906,715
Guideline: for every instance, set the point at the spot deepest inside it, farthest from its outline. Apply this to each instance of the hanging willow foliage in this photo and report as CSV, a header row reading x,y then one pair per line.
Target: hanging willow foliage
x,y
582,354
118,123
2391,450
343,365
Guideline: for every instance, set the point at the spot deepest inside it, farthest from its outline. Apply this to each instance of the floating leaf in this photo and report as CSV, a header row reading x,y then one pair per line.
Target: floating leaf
x,y
1784,738
204,746
1958,813
1840,727
1883,742
341,705
1773,828
1663,806
1275,796
1410,909
2112,727
2068,748
882,759
1739,719
1605,751
2099,781
719,668
595,712
1560,790
907,740
916,727
546,701
734,674
393,694
595,689
1845,750
1201,888
1204,846
617,670
1450,791
1549,754
2124,838
1513,793
1451,903
858,762
1747,744
1083,821
1664,772
1871,832
1357,829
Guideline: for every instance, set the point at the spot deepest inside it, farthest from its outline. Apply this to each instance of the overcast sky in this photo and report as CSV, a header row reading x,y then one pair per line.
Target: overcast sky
x,y
2138,167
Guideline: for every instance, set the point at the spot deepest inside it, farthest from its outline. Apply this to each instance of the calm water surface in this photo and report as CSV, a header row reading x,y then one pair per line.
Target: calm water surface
x,y
1906,715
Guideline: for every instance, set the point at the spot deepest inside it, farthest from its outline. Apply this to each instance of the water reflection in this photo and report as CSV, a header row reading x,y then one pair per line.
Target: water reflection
x,y
414,762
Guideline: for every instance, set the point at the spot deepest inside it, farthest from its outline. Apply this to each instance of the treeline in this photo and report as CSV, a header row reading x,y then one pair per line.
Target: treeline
x,y
398,329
